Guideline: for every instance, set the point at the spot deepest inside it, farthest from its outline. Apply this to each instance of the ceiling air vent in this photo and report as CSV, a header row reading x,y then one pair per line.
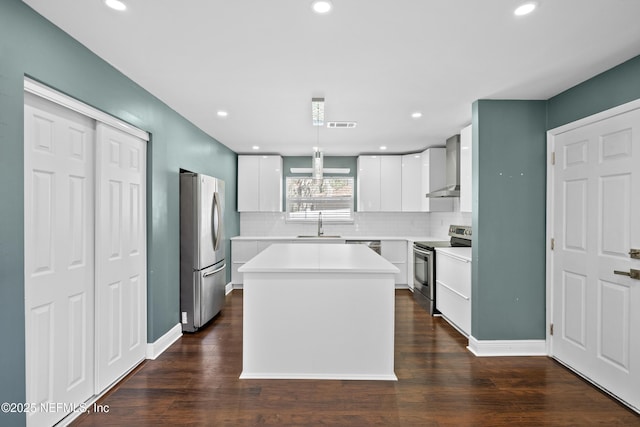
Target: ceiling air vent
x,y
341,125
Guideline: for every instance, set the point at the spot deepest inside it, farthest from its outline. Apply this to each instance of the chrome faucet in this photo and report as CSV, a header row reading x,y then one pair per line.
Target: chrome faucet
x,y
320,230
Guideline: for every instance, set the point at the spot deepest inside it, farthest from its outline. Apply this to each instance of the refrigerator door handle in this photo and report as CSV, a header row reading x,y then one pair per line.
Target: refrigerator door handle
x,y
215,219
217,270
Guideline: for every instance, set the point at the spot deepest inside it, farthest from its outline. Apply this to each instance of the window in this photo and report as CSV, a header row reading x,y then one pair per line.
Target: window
x,y
331,196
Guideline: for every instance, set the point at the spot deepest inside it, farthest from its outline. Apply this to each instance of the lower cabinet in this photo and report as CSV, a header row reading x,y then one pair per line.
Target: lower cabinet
x,y
395,251
241,252
453,290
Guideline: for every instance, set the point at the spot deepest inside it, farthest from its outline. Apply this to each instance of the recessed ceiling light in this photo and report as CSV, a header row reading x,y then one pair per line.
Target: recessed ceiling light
x,y
383,147
416,115
255,147
116,5
222,113
321,6
525,8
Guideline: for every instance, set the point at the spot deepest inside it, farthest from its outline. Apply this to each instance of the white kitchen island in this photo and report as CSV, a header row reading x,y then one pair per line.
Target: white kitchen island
x,y
318,311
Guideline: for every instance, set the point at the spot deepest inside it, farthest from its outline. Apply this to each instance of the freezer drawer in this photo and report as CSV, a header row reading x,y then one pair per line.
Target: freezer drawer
x,y
204,298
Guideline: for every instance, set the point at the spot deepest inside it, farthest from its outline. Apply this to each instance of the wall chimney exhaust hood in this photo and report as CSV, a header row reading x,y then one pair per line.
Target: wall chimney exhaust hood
x,y
452,188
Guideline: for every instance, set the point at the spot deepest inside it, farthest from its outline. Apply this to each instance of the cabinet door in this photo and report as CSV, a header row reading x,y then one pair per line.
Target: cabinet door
x,y
395,251
368,183
248,183
434,178
453,290
241,252
412,183
390,183
270,182
465,169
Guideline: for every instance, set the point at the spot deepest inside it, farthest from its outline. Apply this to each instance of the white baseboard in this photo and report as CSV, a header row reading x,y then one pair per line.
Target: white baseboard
x,y
228,288
303,376
507,347
155,349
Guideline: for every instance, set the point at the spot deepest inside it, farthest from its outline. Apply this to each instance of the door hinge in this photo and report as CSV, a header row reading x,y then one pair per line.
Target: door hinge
x,y
551,329
553,157
553,243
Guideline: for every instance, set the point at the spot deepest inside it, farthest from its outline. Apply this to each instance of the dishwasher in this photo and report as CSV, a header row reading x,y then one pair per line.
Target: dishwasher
x,y
373,244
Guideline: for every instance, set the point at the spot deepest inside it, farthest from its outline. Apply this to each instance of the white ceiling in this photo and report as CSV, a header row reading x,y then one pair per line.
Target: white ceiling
x,y
374,61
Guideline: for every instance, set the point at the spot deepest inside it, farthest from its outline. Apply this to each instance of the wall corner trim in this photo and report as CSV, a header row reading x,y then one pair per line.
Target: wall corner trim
x,y
490,348
156,348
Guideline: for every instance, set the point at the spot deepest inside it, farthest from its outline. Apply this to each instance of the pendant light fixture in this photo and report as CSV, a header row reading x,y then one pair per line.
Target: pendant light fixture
x,y
317,116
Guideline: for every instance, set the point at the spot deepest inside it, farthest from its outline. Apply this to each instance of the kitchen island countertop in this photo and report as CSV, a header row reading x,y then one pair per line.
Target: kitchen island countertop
x,y
291,257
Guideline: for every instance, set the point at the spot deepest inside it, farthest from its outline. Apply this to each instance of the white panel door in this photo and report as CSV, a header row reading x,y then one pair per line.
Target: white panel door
x,y
596,222
121,315
59,257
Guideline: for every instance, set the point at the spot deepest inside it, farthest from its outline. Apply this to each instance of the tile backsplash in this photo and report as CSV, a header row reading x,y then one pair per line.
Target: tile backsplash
x,y
379,224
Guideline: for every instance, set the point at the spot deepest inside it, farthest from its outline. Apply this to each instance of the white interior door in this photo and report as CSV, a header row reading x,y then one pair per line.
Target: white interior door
x,y
596,222
121,316
59,257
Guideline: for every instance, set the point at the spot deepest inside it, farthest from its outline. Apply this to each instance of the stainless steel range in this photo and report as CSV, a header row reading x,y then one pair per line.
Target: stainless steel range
x,y
424,264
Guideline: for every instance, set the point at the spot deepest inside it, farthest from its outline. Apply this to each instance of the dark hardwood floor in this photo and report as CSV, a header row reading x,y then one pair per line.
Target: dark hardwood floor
x,y
440,383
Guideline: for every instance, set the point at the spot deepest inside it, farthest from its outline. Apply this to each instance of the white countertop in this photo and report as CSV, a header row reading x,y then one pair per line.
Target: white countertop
x,y
351,237
317,257
458,252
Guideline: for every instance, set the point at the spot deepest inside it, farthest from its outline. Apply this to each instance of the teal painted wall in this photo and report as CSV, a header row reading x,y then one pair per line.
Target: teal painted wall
x,y
614,87
30,45
509,192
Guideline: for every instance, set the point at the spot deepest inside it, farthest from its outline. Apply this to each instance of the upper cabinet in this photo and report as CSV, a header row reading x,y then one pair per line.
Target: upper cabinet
x,y
434,163
379,183
412,183
465,169
259,184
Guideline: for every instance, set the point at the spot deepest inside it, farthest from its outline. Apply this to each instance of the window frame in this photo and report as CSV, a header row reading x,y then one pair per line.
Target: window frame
x,y
312,216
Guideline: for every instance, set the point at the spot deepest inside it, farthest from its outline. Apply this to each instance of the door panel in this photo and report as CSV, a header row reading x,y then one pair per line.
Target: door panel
x,y
595,211
120,254
59,254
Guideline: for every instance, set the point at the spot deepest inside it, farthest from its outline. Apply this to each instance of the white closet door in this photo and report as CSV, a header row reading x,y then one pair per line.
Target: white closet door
x,y
121,315
59,257
596,211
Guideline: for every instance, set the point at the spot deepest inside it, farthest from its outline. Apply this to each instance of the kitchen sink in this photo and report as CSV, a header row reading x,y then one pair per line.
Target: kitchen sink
x,y
319,237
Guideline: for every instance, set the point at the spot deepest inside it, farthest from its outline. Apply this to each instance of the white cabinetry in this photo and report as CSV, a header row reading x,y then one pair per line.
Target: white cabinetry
x,y
465,169
453,290
241,252
434,178
259,184
379,183
395,251
412,183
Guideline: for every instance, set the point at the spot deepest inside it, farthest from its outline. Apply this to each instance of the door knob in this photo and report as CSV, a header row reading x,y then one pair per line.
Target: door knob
x,y
634,274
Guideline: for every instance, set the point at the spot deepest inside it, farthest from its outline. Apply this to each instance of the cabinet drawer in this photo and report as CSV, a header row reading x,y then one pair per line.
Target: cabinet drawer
x,y
243,250
401,277
394,251
236,276
454,307
454,273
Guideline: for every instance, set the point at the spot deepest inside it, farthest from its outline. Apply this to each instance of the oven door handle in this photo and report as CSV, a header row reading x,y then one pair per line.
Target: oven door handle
x,y
420,251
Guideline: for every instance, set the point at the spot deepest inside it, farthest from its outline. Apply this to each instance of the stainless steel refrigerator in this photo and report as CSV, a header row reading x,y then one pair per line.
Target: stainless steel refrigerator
x,y
202,257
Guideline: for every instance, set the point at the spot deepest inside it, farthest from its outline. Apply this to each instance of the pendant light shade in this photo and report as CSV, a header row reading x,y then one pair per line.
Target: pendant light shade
x,y
317,166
